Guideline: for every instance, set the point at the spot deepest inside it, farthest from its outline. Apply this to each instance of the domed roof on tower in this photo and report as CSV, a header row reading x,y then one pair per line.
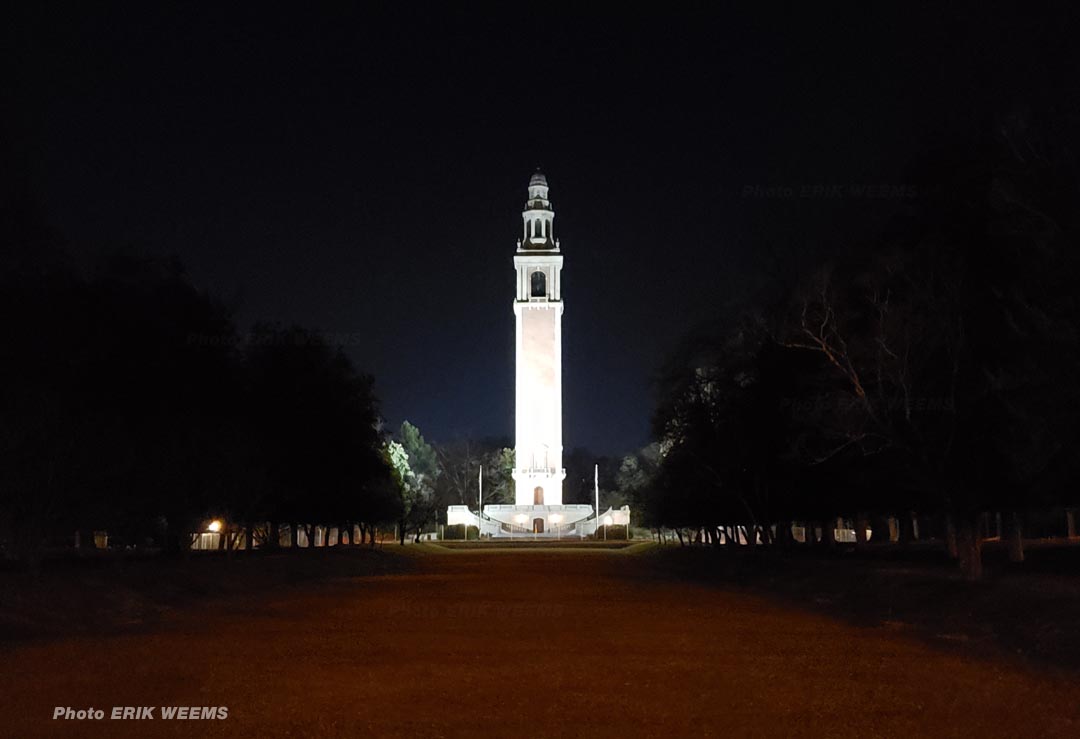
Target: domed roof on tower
x,y
538,179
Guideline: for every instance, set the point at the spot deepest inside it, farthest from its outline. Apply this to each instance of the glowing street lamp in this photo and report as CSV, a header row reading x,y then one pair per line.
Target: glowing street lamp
x,y
214,526
555,518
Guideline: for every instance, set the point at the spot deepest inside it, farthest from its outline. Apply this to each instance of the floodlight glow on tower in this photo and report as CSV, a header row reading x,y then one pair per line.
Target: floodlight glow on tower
x,y
538,443
538,308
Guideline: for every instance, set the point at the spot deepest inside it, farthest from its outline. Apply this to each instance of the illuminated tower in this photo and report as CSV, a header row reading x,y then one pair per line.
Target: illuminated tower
x,y
538,307
538,508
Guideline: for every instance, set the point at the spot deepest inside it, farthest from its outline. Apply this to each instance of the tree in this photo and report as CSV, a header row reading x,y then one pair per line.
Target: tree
x,y
316,427
419,472
498,464
459,463
423,460
720,429
635,482
408,490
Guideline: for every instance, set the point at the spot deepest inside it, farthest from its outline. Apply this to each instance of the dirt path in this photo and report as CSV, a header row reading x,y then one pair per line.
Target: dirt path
x,y
527,643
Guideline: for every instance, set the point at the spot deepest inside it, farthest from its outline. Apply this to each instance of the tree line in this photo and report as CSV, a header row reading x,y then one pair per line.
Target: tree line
x,y
132,405
929,373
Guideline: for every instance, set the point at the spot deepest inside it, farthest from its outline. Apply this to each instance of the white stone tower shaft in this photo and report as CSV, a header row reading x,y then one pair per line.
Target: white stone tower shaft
x,y
538,308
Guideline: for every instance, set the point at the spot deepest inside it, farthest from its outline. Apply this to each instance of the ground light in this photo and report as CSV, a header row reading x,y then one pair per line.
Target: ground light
x,y
521,518
607,522
555,518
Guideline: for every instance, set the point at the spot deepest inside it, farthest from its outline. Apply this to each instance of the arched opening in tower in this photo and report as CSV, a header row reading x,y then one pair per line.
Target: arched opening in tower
x,y
539,284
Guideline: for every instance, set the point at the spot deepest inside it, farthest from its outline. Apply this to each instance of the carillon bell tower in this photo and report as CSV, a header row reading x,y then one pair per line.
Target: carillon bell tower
x,y
538,308
538,509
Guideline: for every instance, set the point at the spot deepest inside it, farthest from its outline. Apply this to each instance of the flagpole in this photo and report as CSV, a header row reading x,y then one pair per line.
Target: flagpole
x,y
596,486
480,503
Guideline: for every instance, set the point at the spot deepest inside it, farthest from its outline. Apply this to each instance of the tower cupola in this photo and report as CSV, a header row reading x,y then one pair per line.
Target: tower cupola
x,y
538,218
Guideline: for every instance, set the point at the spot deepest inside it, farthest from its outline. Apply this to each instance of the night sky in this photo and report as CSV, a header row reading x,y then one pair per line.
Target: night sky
x,y
364,175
